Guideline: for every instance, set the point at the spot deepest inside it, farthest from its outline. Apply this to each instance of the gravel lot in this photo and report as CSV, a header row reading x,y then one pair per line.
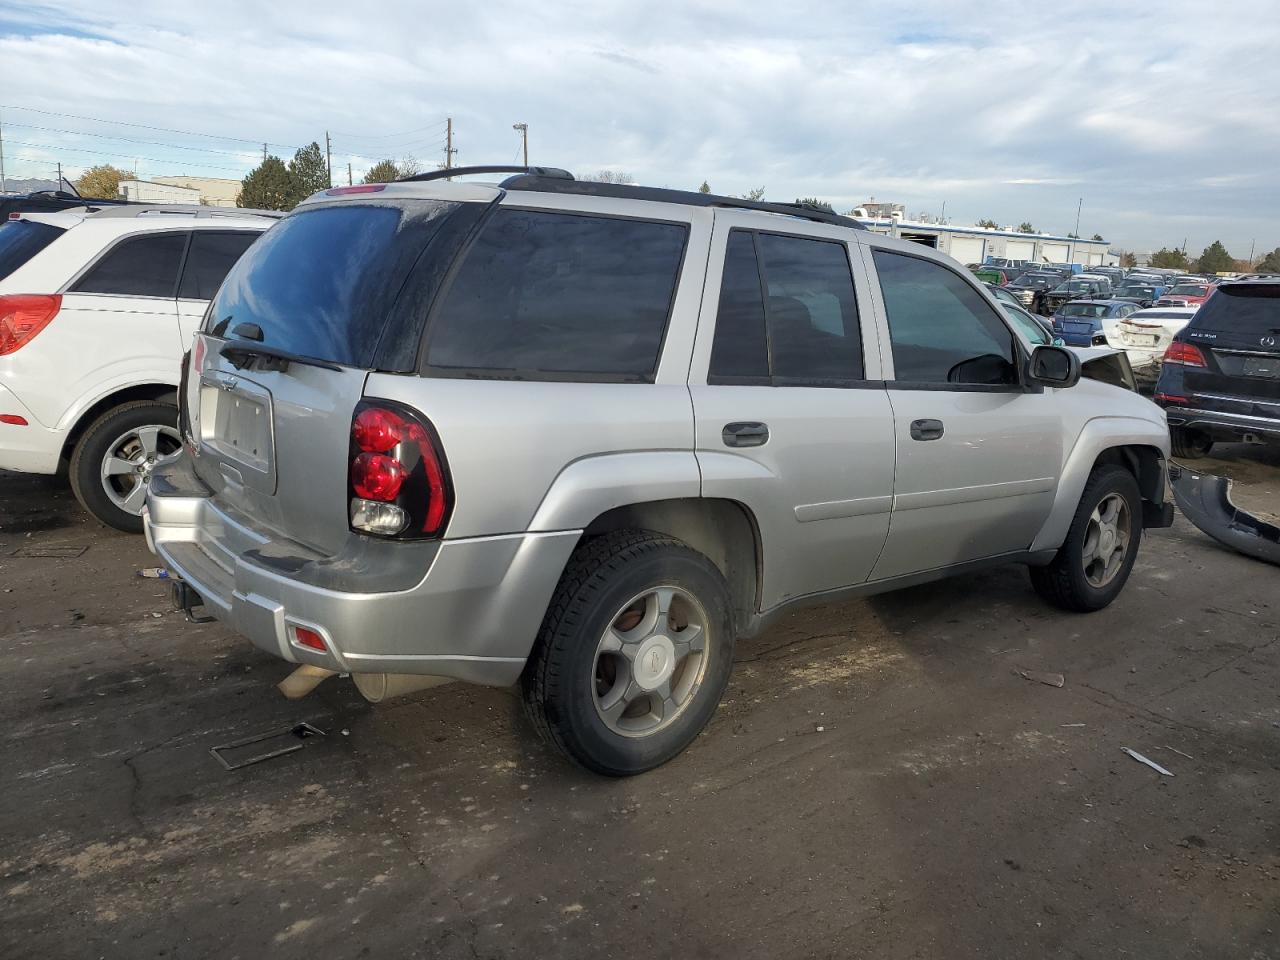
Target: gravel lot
x,y
879,782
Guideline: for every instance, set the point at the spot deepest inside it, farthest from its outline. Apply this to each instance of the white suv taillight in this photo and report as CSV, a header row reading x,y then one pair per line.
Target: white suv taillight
x,y
397,475
23,315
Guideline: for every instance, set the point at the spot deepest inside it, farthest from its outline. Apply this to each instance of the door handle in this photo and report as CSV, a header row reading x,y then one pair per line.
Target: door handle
x,y
745,434
926,429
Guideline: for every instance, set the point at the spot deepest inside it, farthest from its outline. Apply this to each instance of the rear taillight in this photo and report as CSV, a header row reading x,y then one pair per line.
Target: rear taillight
x,y
1186,354
398,478
23,315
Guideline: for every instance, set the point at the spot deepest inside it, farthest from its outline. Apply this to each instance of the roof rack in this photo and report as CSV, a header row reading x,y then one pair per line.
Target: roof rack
x,y
552,172
540,184
182,209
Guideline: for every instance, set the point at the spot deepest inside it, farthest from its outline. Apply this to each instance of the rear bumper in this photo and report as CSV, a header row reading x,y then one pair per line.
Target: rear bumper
x,y
1222,425
472,616
31,448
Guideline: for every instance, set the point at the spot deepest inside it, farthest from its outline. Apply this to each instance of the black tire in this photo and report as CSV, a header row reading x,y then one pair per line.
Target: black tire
x,y
86,460
1190,444
557,684
1063,582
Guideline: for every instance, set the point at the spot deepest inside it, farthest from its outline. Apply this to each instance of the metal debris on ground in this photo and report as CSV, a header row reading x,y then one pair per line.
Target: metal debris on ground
x,y
1150,763
154,573
1179,752
1041,676
45,553
298,733
1071,724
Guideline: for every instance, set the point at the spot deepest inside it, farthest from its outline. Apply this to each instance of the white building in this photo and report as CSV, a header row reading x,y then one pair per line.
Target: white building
x,y
147,191
976,244
214,191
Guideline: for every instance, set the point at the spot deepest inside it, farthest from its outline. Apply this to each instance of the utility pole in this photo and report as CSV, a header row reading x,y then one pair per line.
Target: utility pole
x,y
1251,242
348,173
328,158
1071,255
3,186
524,136
943,218
449,148
264,153
58,188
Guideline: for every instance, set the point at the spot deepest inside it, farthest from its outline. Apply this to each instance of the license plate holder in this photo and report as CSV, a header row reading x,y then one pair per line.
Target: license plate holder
x,y
1268,368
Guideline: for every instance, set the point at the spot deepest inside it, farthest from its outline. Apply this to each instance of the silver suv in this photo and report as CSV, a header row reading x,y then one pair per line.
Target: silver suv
x,y
585,436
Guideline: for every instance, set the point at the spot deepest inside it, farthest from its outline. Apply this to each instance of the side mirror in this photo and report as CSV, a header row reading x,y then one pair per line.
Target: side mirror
x,y
1052,366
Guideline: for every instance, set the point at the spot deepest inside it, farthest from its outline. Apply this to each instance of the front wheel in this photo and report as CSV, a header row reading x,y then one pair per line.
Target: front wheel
x,y
1094,562
634,653
113,461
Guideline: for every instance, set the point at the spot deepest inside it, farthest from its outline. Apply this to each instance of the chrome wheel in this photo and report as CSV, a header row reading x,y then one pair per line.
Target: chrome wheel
x,y
650,661
1106,540
130,459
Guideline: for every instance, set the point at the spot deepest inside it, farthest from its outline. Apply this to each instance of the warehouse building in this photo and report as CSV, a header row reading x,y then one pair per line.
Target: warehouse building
x,y
976,244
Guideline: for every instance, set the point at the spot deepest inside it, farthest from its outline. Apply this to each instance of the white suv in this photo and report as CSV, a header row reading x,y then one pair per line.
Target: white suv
x,y
96,309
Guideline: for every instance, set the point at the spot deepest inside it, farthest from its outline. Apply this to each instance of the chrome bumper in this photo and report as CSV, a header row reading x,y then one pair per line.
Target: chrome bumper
x,y
473,616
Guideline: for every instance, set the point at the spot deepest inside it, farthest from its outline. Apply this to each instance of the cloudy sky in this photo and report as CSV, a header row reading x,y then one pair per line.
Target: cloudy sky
x,y
1163,118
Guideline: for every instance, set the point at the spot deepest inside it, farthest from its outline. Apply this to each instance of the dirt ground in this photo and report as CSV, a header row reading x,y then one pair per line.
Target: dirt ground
x,y
879,782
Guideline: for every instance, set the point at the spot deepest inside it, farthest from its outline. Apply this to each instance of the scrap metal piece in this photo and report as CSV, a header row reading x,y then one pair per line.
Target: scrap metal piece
x,y
1041,676
1205,500
1150,763
301,731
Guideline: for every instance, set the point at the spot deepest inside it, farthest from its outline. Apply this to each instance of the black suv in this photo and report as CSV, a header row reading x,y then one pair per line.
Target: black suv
x,y
1220,379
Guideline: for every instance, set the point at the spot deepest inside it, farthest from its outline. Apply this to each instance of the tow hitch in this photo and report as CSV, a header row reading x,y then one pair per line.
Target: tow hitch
x,y
187,600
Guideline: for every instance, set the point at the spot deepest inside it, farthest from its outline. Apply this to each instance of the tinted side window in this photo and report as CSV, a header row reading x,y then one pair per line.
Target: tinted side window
x,y
812,313
210,257
139,267
740,348
20,240
940,328
556,293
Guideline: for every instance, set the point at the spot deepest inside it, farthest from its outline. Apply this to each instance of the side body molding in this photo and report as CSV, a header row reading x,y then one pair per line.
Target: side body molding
x,y
588,487
1098,434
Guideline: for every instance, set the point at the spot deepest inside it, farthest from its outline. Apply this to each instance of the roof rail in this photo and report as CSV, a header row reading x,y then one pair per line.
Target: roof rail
x,y
183,209
540,184
551,172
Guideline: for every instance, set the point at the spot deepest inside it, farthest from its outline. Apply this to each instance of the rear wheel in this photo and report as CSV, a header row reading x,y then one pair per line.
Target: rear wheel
x,y
1094,562
633,655
1190,444
114,459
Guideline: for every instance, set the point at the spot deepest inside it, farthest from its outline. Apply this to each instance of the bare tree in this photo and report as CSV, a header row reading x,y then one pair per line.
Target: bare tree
x,y
608,176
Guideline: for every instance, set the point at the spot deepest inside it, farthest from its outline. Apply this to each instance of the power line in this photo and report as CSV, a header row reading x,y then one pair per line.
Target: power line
x,y
150,143
58,148
140,126
389,136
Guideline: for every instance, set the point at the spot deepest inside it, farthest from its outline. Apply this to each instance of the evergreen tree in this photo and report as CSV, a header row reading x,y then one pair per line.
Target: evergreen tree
x,y
308,173
1170,259
1025,227
267,187
384,171
1215,259
705,188
1271,262
989,224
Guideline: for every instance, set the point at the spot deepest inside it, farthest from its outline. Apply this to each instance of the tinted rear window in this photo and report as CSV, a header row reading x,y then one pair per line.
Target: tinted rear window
x,y
1252,310
1084,310
20,240
145,266
322,282
556,294
209,258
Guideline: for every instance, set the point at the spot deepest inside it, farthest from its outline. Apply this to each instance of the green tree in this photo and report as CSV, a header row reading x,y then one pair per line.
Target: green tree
x,y
1169,259
1215,259
267,187
1096,236
754,195
1073,236
1128,259
384,171
705,188
308,173
1025,227
989,224
102,181
1271,262
813,203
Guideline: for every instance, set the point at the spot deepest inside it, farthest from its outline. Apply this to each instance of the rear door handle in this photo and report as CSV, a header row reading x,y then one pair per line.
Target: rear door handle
x,y
745,434
926,429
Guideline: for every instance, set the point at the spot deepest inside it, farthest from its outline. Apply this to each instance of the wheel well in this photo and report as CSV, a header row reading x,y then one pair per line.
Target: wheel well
x,y
1145,463
144,391
722,530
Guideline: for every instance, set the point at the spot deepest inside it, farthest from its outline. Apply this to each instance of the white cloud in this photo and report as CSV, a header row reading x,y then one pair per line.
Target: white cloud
x,y
1014,118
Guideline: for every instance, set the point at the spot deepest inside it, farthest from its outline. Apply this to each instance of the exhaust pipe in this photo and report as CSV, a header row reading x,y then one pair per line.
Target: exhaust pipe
x,y
377,687
303,680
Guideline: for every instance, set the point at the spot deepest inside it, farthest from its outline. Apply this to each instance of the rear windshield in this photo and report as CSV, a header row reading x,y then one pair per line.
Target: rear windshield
x,y
321,283
20,240
559,296
1189,290
1084,310
1252,309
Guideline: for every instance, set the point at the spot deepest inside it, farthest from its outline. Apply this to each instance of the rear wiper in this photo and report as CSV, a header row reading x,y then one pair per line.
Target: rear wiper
x,y
242,354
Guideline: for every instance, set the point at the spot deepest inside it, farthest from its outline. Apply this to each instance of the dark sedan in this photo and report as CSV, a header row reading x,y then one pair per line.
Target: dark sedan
x,y
1079,322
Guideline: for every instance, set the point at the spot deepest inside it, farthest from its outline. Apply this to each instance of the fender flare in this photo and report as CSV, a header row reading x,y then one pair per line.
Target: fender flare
x,y
1097,435
586,488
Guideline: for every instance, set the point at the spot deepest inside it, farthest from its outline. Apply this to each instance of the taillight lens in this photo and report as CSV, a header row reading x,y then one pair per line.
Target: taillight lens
x,y
1186,354
399,479
23,315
